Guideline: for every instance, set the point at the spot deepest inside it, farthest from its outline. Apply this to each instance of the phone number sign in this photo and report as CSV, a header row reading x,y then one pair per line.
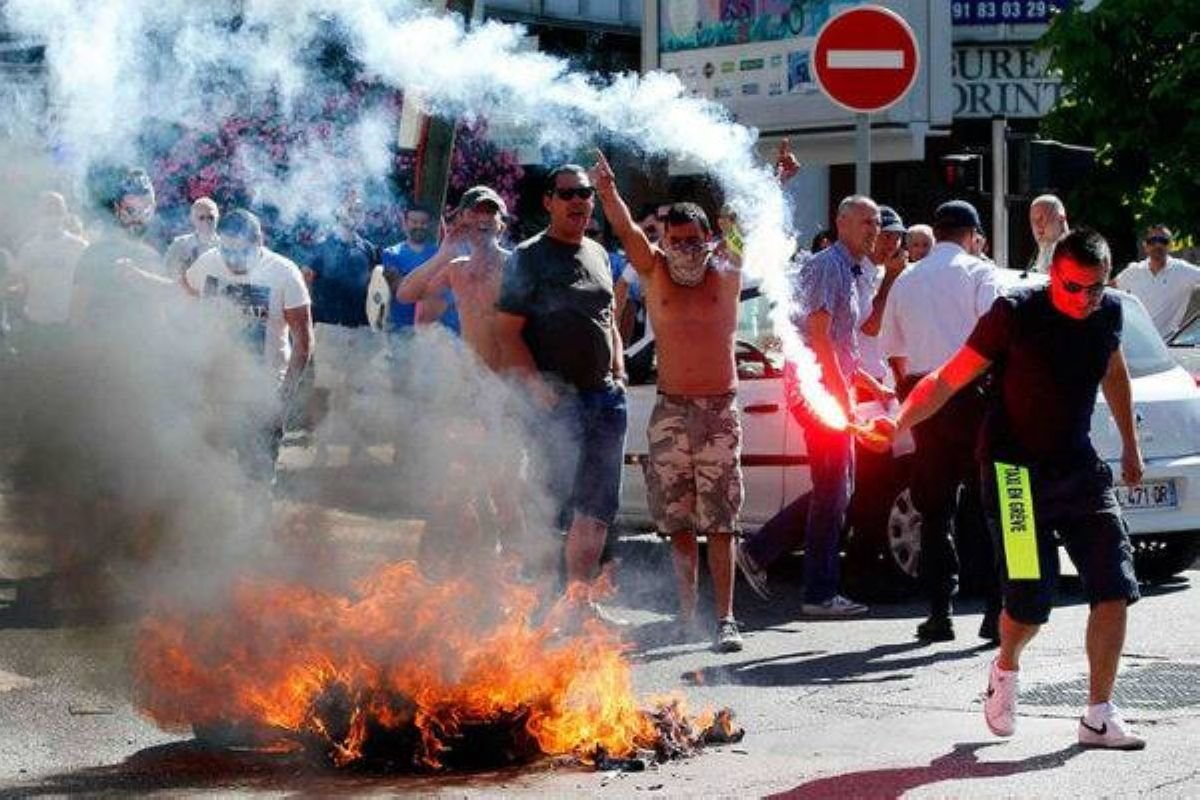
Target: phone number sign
x,y
1004,12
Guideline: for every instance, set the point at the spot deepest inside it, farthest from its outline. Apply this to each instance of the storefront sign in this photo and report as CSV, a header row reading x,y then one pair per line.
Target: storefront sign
x,y
1007,81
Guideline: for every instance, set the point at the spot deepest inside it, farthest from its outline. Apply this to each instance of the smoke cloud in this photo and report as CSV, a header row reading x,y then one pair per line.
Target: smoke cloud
x,y
124,453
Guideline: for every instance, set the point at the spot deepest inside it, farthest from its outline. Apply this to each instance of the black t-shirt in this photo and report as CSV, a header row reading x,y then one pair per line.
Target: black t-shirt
x,y
342,272
565,293
1047,369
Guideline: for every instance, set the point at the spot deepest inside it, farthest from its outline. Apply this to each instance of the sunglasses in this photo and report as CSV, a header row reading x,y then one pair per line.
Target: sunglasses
x,y
205,218
1158,240
136,213
1092,289
578,192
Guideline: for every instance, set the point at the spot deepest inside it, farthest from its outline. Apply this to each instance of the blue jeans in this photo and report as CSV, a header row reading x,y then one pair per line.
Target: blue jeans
x,y
585,445
831,465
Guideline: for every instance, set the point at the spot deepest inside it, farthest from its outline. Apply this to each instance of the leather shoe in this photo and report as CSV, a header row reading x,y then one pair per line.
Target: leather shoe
x,y
936,629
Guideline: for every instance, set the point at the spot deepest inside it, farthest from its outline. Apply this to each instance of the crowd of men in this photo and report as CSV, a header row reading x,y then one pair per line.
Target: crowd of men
x,y
917,314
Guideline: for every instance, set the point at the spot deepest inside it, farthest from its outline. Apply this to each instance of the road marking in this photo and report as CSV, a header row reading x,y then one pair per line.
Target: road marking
x,y
865,59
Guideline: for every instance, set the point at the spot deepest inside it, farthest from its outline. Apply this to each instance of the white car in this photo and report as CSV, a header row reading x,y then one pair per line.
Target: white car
x,y
883,537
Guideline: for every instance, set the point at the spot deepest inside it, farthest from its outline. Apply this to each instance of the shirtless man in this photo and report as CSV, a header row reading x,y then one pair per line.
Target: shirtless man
x,y
693,476
474,278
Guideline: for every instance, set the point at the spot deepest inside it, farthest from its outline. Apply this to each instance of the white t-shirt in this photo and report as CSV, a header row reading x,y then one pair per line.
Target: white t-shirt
x,y
183,252
1165,295
935,304
47,264
869,351
273,284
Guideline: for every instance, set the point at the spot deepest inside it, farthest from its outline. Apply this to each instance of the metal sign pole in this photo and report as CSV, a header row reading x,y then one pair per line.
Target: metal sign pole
x,y
1000,191
862,154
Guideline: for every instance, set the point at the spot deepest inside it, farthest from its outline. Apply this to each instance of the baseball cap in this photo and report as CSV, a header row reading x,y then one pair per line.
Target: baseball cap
x,y
957,214
482,194
889,220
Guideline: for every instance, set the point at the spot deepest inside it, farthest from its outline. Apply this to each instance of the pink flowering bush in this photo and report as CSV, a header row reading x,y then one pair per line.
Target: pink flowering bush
x,y
190,162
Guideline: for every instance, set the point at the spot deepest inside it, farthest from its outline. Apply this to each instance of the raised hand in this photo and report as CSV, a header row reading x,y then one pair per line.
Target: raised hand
x,y
602,176
786,163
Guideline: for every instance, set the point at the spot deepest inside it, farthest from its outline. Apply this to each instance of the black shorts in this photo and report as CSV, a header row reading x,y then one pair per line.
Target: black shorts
x,y
1077,508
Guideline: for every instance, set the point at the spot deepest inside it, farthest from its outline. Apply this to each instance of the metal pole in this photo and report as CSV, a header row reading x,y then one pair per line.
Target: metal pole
x,y
433,163
862,154
1000,191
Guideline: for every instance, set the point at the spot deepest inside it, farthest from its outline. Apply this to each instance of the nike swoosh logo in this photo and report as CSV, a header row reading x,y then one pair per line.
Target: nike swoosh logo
x,y
1103,729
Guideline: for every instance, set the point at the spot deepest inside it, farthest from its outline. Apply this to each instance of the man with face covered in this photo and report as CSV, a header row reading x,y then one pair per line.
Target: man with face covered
x,y
693,478
271,294
185,249
114,273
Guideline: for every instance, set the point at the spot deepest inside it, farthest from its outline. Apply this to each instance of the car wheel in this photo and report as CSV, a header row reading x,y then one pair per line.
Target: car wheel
x,y
904,534
1157,558
882,546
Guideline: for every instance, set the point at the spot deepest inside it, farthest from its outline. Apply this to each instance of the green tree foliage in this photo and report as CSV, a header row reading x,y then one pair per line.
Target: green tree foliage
x,y
1131,71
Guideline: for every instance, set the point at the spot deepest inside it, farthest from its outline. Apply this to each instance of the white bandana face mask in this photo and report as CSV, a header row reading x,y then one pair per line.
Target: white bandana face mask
x,y
687,265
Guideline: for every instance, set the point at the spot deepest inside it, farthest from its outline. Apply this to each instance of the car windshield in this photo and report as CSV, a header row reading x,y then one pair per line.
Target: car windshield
x,y
1144,350
1188,335
754,319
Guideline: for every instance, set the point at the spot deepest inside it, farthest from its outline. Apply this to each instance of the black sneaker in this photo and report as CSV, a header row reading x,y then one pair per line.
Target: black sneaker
x,y
936,629
727,640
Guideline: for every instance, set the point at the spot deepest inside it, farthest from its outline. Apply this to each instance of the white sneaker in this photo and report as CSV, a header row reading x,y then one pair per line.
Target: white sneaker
x,y
836,606
1000,701
1110,734
756,577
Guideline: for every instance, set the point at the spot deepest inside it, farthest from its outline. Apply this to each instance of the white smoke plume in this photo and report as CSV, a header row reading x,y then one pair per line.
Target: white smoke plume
x,y
120,67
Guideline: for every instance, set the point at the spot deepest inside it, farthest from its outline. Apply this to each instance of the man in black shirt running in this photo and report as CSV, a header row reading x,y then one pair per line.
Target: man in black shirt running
x,y
1051,348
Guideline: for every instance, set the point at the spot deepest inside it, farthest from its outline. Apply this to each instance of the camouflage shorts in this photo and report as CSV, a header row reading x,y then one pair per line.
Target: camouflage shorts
x,y
693,477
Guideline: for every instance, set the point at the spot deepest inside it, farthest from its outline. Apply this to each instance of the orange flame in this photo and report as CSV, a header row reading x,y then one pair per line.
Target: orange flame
x,y
400,652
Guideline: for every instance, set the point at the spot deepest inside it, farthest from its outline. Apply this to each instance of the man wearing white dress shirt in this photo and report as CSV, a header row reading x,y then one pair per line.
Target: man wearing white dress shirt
x,y
932,308
1162,282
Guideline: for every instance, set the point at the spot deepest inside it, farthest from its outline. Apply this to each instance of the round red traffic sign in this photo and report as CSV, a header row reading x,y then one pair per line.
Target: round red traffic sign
x,y
866,58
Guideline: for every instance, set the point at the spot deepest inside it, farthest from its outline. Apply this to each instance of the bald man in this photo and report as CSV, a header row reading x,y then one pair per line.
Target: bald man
x,y
1048,221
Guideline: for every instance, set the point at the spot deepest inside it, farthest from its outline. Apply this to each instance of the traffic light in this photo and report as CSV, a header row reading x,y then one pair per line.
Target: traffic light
x,y
1043,165
962,173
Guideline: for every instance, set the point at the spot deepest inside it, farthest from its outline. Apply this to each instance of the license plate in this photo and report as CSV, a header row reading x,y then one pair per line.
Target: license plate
x,y
1149,495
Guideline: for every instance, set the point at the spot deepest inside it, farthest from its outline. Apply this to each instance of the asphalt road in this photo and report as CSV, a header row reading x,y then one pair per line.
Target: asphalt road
x,y
831,709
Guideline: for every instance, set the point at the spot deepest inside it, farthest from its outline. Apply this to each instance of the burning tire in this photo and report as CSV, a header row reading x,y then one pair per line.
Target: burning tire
x,y
227,735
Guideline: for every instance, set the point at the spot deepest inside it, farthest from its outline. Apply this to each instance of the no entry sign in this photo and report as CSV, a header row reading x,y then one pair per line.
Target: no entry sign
x,y
866,58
